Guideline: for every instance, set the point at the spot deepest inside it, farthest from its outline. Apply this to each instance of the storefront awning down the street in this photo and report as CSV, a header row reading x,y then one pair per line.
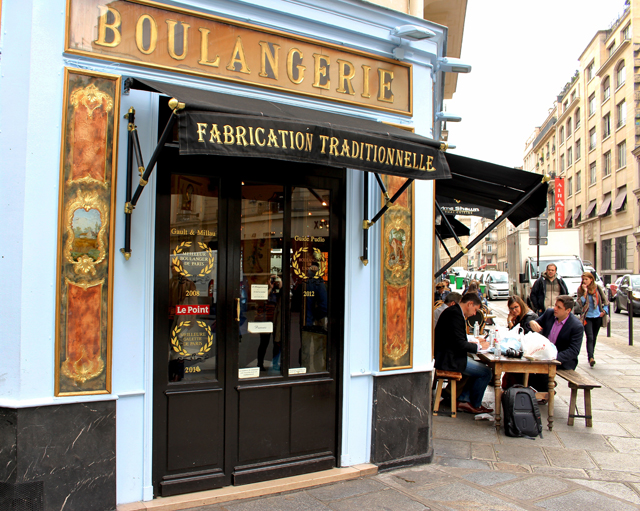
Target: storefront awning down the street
x,y
520,195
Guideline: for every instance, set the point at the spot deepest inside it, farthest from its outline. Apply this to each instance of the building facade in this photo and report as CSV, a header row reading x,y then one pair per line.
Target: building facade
x,y
588,139
187,277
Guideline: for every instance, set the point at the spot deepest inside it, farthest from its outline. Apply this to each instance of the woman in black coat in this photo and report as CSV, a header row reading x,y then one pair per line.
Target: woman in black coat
x,y
519,314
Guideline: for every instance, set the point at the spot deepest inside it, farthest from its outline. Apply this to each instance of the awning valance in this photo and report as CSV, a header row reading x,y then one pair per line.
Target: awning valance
x,y
620,198
455,207
230,125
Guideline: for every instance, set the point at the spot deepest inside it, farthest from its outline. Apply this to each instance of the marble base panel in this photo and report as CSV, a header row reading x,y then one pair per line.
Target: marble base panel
x,y
402,432
65,452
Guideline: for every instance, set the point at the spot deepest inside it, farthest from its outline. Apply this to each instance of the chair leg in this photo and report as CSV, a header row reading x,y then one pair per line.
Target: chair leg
x,y
453,397
436,405
572,405
587,407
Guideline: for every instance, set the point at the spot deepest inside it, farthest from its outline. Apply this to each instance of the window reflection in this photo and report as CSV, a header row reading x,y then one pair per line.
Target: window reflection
x,y
309,260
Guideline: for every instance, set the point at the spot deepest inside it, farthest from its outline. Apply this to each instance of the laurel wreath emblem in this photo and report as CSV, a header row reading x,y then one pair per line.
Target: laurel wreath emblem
x,y
179,348
317,256
177,263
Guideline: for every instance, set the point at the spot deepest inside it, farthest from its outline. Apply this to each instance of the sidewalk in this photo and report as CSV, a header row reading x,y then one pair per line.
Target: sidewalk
x,y
475,468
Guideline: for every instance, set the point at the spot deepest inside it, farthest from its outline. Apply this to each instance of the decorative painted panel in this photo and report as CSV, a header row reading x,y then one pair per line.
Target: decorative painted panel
x,y
396,311
85,232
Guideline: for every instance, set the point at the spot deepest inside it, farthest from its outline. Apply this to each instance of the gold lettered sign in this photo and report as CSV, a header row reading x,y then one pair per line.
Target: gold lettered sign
x,y
85,232
149,34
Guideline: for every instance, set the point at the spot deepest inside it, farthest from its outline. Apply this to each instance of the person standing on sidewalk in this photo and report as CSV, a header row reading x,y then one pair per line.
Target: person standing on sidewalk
x,y
595,310
546,289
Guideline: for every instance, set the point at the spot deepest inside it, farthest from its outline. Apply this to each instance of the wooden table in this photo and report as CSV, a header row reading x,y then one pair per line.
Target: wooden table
x,y
520,365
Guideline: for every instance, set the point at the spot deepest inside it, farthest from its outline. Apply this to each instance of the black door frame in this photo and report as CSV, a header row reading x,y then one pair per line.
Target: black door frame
x,y
229,262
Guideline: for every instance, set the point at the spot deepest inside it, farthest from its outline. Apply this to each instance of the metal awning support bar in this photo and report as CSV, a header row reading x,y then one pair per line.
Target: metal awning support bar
x,y
176,106
492,226
443,244
365,232
368,223
451,229
131,143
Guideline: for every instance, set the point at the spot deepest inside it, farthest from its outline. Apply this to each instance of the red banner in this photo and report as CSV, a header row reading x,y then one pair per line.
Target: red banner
x,y
559,191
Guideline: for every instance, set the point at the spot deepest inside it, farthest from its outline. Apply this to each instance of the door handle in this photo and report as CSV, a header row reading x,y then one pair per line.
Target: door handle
x,y
238,310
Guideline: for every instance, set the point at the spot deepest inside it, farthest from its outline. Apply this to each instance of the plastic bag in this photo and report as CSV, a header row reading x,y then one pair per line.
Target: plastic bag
x,y
538,347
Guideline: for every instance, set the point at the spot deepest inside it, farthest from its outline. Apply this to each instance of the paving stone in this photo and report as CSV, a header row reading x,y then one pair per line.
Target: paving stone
x,y
460,496
598,428
569,458
533,487
512,467
579,440
627,445
482,452
614,476
345,489
521,454
617,461
452,448
479,431
299,501
584,499
411,479
620,490
632,427
380,501
489,478
460,463
575,473
549,439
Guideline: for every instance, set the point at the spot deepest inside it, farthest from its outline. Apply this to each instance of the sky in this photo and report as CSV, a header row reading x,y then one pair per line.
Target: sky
x,y
522,54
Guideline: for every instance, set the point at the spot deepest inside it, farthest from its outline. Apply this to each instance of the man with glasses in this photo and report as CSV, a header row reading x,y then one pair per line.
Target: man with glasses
x,y
546,289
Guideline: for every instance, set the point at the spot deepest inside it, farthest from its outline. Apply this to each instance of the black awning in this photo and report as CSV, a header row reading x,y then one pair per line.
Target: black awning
x,y
458,227
493,186
229,125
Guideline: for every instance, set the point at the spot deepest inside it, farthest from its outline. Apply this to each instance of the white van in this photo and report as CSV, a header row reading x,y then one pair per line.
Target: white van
x,y
497,284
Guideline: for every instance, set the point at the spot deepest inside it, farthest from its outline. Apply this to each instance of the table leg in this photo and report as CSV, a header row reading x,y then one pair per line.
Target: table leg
x,y
497,386
552,385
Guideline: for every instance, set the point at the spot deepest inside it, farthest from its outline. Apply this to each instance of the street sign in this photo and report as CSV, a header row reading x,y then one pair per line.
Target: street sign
x,y
543,224
543,241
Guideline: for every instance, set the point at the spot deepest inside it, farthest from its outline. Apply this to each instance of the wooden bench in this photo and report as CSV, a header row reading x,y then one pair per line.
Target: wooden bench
x,y
576,382
452,377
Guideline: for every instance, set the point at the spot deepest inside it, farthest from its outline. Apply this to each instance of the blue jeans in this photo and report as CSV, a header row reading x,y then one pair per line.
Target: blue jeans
x,y
479,377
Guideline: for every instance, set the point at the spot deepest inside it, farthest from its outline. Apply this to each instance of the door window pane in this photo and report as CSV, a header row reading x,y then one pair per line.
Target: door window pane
x,y
193,265
261,291
309,271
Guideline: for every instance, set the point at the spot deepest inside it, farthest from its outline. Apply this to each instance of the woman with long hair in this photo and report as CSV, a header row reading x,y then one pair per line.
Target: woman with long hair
x,y
594,308
519,314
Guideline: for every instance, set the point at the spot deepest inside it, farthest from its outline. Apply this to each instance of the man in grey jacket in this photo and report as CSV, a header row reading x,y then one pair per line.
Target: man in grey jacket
x,y
546,289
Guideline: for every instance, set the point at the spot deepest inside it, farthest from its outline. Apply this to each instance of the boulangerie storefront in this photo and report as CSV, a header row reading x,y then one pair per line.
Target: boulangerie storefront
x,y
215,214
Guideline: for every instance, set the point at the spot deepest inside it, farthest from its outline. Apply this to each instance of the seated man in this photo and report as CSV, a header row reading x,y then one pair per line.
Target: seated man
x,y
451,299
451,348
563,329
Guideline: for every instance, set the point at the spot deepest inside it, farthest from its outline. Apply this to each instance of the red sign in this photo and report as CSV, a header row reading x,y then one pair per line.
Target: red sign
x,y
182,310
559,191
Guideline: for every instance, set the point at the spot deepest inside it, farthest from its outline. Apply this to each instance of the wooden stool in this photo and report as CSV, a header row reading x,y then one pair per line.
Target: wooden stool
x,y
576,382
452,377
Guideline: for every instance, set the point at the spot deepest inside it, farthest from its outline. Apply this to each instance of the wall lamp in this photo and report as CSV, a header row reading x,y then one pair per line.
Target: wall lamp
x,y
412,32
446,117
452,65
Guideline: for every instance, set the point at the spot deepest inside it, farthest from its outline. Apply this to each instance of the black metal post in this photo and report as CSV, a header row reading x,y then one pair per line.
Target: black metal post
x,y
630,312
492,226
443,244
126,251
365,232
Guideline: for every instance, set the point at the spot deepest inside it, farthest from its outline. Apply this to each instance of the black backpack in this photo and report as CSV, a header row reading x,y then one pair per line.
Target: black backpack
x,y
521,413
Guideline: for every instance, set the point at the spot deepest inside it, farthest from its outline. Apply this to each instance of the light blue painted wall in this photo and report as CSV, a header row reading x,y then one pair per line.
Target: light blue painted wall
x,y
31,86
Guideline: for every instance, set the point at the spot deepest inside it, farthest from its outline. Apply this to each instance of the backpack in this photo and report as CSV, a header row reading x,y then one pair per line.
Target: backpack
x,y
521,412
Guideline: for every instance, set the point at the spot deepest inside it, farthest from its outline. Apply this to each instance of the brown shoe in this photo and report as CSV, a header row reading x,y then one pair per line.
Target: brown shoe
x,y
484,409
463,406
592,362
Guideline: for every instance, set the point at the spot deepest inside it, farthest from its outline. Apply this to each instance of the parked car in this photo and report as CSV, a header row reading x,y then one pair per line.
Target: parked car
x,y
613,288
629,283
497,283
